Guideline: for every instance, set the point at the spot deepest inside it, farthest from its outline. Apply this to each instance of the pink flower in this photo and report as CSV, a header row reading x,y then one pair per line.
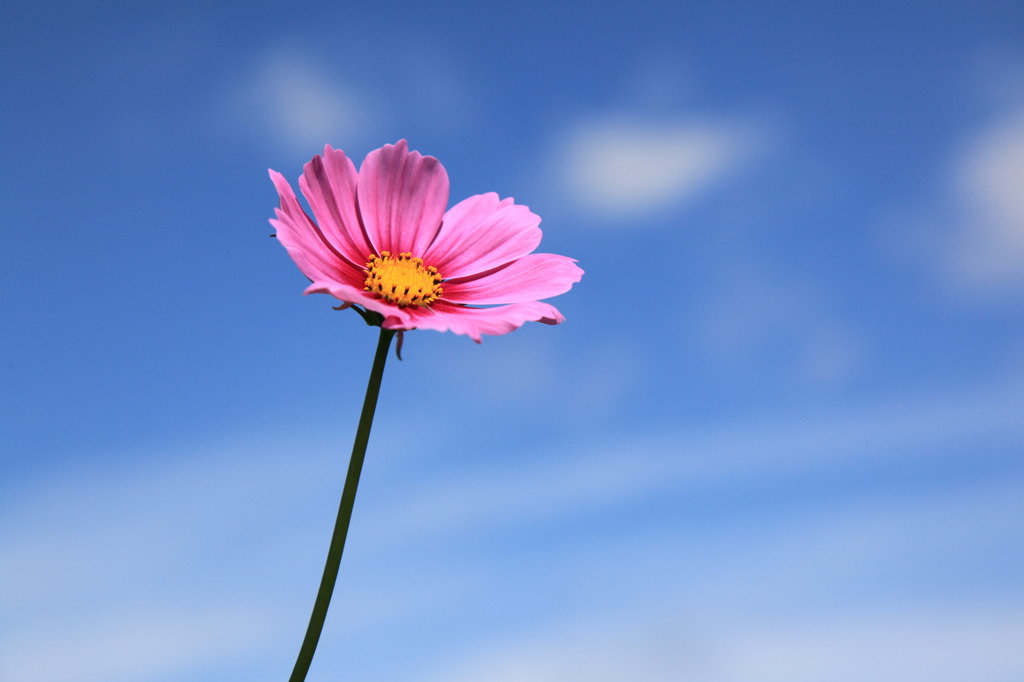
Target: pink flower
x,y
383,240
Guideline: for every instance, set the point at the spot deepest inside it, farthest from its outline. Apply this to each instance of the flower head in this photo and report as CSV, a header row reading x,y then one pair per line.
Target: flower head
x,y
383,240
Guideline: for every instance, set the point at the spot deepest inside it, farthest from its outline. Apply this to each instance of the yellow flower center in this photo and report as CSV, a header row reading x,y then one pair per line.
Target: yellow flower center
x,y
402,279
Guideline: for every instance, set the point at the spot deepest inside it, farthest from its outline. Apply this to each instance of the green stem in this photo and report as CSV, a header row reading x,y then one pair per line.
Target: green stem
x,y
348,498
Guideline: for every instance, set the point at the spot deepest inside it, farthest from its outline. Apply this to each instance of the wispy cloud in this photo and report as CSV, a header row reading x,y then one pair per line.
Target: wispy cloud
x,y
768,452
748,312
171,551
125,573
292,101
970,233
901,645
895,645
297,98
534,373
799,598
129,645
988,187
891,645
624,165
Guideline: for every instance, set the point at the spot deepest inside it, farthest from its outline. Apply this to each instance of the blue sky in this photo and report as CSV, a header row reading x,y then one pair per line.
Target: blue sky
x,y
778,437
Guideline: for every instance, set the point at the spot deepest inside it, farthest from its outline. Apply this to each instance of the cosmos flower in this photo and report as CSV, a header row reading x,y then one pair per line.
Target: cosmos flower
x,y
383,240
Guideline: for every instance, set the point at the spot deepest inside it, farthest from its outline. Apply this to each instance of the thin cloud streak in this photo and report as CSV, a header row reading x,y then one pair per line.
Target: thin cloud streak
x,y
901,645
768,452
161,520
772,613
126,646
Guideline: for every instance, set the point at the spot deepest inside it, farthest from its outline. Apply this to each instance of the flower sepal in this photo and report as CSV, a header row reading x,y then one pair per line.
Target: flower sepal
x,y
370,317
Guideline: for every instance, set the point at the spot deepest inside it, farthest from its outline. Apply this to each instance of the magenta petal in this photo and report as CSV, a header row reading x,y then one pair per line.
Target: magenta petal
x,y
532,277
329,185
402,197
300,236
481,233
474,322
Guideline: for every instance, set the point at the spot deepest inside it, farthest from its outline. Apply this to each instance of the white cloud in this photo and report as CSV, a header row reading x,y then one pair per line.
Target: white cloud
x,y
623,166
298,104
298,98
988,247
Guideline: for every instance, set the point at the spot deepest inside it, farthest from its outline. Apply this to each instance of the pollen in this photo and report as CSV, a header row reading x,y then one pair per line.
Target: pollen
x,y
402,279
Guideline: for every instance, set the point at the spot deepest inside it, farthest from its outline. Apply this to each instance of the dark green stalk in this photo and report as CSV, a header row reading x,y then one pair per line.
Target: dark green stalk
x,y
348,498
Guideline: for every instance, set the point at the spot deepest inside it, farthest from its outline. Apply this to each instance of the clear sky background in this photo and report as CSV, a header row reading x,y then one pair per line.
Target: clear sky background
x,y
779,437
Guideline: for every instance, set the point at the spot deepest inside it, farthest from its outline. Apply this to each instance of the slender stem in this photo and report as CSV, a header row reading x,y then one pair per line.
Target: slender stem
x,y
348,498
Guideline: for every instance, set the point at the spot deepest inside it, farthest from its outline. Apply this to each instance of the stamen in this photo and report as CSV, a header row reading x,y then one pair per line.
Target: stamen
x,y
402,279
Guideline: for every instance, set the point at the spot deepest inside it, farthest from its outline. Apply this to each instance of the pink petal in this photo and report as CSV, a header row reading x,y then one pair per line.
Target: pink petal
x,y
402,197
329,185
481,233
532,277
300,236
474,322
